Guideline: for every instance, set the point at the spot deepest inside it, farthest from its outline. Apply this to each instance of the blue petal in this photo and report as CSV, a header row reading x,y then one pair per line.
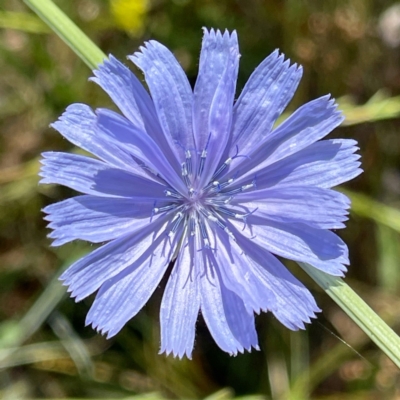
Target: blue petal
x,y
292,303
264,97
78,125
263,282
230,324
240,321
218,54
213,97
121,297
237,276
308,124
299,242
139,145
132,99
180,305
324,164
130,251
124,89
96,219
170,91
314,206
90,176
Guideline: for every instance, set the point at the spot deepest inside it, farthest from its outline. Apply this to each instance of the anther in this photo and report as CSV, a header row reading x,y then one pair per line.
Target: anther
x,y
156,210
242,188
185,174
168,193
188,162
176,220
192,226
204,235
212,184
202,162
203,157
224,184
228,162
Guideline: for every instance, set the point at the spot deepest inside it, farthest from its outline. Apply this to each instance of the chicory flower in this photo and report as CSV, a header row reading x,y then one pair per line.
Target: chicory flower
x,y
211,184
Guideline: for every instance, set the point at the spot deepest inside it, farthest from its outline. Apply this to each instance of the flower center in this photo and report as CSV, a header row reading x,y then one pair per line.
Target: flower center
x,y
204,206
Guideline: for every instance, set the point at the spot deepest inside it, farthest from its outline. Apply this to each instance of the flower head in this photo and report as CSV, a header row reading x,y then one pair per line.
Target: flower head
x,y
195,177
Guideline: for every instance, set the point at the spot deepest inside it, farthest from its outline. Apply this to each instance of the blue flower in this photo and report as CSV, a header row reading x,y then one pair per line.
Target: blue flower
x,y
196,178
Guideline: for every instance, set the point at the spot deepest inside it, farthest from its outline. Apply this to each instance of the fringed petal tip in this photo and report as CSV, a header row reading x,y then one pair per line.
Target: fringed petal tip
x,y
243,350
180,354
107,331
73,293
216,34
176,354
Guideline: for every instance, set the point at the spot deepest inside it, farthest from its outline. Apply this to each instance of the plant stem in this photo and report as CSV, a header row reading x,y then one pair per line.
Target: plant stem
x,y
68,32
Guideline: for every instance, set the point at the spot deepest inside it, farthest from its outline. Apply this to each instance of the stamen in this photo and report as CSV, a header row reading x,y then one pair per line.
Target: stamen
x,y
177,219
243,217
203,157
188,156
188,162
222,168
214,218
227,212
185,174
243,188
227,162
223,185
204,235
170,193
211,184
218,201
192,225
156,210
202,162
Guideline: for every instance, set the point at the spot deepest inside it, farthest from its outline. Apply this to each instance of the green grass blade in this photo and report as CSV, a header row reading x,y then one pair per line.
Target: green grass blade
x,y
68,32
372,325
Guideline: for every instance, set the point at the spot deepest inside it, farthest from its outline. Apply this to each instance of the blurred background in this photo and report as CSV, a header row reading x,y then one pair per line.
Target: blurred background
x,y
350,49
